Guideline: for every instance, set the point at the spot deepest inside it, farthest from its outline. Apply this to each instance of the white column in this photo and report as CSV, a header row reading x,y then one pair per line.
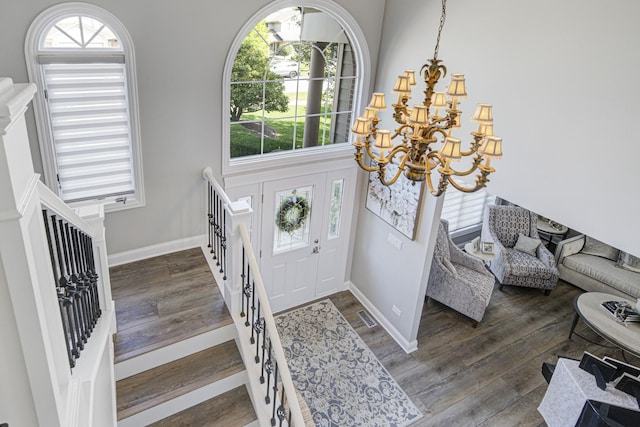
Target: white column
x,y
33,363
238,213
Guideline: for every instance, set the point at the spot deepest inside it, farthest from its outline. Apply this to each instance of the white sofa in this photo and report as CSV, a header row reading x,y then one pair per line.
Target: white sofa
x,y
595,273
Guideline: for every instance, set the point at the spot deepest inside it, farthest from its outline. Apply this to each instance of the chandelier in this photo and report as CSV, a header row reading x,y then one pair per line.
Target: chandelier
x,y
420,129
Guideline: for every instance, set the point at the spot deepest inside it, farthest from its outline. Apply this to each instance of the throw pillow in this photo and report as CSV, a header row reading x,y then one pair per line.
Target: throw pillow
x,y
597,248
449,266
527,244
629,262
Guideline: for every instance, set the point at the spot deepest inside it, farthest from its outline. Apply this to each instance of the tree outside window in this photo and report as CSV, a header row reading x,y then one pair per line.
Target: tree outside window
x,y
292,84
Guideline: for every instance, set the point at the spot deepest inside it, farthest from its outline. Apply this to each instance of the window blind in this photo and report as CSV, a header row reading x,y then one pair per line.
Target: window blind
x,y
464,210
89,114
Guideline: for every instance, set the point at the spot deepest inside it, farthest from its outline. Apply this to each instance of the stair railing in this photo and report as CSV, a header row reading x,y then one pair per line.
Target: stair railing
x,y
272,391
78,285
56,288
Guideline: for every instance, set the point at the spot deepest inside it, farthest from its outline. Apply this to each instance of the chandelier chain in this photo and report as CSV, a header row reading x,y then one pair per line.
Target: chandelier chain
x,y
442,18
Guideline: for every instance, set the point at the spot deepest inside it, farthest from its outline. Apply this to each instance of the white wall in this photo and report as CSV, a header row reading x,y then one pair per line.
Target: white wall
x,y
552,71
561,77
180,51
16,401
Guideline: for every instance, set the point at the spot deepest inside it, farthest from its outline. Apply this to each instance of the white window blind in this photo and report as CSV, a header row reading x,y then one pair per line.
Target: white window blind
x,y
89,115
464,210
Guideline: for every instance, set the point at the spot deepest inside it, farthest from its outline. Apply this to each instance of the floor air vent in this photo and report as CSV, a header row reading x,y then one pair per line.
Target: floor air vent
x,y
367,319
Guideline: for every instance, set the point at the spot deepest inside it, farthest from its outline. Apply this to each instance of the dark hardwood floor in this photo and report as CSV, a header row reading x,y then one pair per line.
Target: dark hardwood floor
x,y
163,300
489,376
459,376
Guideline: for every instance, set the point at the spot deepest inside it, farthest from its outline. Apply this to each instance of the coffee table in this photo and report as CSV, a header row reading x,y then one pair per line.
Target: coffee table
x,y
587,306
551,231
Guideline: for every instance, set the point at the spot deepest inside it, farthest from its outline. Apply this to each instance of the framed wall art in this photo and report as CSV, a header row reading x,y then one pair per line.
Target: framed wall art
x,y
399,204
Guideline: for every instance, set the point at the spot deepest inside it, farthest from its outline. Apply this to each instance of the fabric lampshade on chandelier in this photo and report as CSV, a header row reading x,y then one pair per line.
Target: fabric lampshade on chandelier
x,y
421,128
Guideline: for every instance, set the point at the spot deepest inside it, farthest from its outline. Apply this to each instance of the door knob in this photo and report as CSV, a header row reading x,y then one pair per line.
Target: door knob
x,y
316,249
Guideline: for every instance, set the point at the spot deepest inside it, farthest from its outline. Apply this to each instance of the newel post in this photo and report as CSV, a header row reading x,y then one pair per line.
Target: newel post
x,y
238,212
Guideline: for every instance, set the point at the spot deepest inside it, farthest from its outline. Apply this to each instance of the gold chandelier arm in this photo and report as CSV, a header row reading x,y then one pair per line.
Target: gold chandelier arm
x,y
464,189
398,149
382,173
398,131
430,185
475,144
367,147
365,167
476,162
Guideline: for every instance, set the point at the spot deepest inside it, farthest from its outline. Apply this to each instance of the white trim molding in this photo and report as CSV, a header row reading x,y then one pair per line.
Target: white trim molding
x,y
32,49
156,250
363,60
407,346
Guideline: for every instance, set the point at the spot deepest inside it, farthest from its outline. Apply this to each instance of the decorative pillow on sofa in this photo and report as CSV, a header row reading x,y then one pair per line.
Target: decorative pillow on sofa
x,y
527,244
597,248
450,266
629,262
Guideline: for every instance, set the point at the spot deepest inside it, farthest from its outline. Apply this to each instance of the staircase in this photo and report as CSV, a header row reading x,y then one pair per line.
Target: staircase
x,y
176,359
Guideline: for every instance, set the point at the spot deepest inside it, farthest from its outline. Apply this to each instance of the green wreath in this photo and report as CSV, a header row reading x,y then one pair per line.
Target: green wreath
x,y
292,213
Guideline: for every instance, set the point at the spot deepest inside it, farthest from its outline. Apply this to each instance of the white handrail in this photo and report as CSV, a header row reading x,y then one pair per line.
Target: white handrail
x,y
285,375
207,174
50,200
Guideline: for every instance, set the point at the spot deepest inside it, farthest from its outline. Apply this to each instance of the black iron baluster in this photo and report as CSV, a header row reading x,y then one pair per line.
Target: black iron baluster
x,y
268,366
60,293
223,232
80,290
264,348
65,282
86,251
258,326
89,281
253,309
282,412
209,245
247,288
275,396
82,283
214,220
92,270
242,276
219,221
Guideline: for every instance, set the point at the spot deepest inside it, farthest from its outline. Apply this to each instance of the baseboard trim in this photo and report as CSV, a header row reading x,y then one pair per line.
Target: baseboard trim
x,y
407,346
155,250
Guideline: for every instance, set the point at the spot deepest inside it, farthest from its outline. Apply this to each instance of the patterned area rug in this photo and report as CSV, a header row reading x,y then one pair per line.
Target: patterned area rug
x,y
339,377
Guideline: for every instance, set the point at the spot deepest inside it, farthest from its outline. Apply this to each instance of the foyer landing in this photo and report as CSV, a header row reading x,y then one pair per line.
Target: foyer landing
x,y
164,300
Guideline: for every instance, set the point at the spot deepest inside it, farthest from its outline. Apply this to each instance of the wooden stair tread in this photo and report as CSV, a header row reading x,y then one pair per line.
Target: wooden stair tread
x,y
165,382
164,300
232,408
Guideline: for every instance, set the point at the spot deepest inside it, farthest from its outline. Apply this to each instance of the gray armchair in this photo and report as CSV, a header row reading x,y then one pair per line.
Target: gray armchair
x,y
457,279
512,266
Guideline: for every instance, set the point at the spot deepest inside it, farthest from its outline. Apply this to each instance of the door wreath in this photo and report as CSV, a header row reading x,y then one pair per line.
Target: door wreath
x,y
292,213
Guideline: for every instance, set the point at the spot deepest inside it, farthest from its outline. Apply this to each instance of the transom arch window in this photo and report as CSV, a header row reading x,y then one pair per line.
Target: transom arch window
x,y
82,59
294,77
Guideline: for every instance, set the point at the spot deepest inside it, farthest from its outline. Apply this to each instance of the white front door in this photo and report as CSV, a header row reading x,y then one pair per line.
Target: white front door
x,y
305,232
291,238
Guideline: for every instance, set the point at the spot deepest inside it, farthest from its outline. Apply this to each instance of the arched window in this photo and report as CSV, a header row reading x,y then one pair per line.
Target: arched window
x,y
82,60
294,77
